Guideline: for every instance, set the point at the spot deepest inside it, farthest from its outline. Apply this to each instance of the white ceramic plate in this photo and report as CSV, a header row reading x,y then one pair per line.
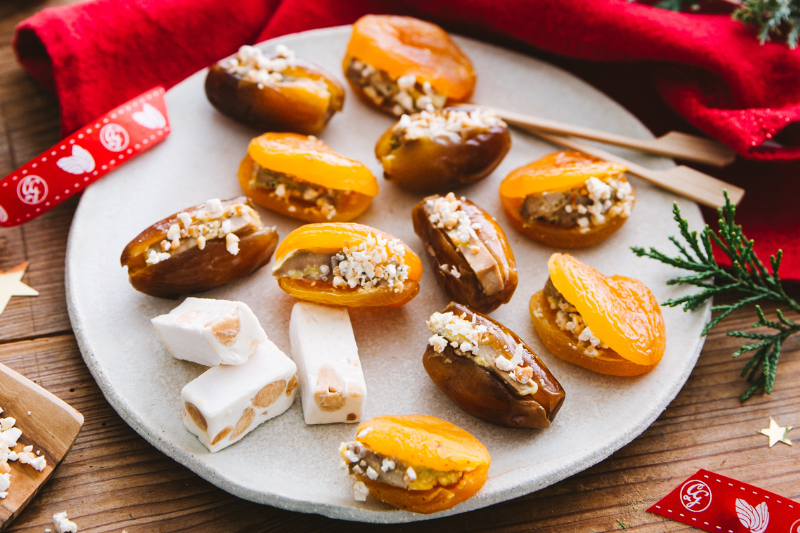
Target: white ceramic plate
x,y
284,462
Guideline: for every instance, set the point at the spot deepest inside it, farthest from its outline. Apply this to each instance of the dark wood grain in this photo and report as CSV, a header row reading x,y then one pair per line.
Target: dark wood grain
x,y
114,480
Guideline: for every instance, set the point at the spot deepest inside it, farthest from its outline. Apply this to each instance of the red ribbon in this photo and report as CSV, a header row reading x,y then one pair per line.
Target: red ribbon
x,y
84,157
720,504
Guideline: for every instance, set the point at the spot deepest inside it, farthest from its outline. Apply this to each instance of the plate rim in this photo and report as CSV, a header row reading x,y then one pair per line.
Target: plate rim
x,y
387,516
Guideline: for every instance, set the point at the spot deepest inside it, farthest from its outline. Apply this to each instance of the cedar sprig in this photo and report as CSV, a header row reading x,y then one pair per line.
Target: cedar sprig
x,y
777,20
772,19
747,277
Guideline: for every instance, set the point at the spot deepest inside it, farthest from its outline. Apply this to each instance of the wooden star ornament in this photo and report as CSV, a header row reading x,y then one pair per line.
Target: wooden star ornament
x,y
11,285
776,433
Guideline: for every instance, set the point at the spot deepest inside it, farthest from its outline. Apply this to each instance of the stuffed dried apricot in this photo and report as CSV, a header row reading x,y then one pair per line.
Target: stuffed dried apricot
x,y
444,149
347,264
488,371
415,462
568,199
404,65
275,92
612,325
303,178
472,258
206,246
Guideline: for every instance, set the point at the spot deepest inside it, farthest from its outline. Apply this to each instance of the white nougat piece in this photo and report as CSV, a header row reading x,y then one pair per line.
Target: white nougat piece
x,y
331,380
225,403
210,332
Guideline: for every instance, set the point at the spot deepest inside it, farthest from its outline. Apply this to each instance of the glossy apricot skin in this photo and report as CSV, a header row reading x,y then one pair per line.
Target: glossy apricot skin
x,y
553,173
482,394
426,442
195,270
441,164
467,289
562,344
313,162
331,238
401,46
620,311
280,107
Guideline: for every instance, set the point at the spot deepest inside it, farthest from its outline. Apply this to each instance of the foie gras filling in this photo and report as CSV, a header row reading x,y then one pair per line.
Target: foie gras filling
x,y
296,192
445,213
211,221
569,319
364,462
375,262
403,95
591,204
473,340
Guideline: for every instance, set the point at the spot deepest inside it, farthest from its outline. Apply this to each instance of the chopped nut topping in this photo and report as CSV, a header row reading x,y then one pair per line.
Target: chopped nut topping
x,y
202,225
293,190
406,94
590,204
569,319
451,123
251,64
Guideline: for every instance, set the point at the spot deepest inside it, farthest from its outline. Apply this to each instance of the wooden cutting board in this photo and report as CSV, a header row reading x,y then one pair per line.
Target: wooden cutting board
x,y
51,428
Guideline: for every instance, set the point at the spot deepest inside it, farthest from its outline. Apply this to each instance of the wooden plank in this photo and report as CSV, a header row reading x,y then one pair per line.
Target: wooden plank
x,y
43,243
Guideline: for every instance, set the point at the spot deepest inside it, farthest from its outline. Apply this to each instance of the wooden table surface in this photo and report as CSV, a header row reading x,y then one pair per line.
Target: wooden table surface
x,y
114,480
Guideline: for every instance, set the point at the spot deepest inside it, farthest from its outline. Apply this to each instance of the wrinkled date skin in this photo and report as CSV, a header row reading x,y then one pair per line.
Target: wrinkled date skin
x,y
284,106
195,270
481,393
440,164
467,288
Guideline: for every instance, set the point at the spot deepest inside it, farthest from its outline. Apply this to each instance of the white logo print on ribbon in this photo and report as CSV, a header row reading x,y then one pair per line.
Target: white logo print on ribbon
x,y
32,190
3,215
80,162
150,117
754,519
695,496
114,137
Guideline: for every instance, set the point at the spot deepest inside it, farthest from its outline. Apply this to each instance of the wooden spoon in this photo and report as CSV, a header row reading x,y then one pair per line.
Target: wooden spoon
x,y
51,427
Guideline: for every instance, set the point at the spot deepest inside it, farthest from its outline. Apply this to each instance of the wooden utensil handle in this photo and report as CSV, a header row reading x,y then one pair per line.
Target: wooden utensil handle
x,y
673,144
702,188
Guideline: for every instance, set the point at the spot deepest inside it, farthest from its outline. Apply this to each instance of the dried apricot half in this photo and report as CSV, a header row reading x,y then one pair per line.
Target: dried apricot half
x,y
405,65
415,462
347,264
612,325
301,177
568,199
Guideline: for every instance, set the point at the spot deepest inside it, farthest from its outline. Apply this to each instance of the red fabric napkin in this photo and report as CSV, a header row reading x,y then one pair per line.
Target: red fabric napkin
x,y
708,68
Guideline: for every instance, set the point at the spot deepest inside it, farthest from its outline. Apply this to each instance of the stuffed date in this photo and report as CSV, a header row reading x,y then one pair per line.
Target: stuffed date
x,y
405,65
415,462
568,199
612,325
440,150
488,371
276,92
203,247
472,259
348,265
301,177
